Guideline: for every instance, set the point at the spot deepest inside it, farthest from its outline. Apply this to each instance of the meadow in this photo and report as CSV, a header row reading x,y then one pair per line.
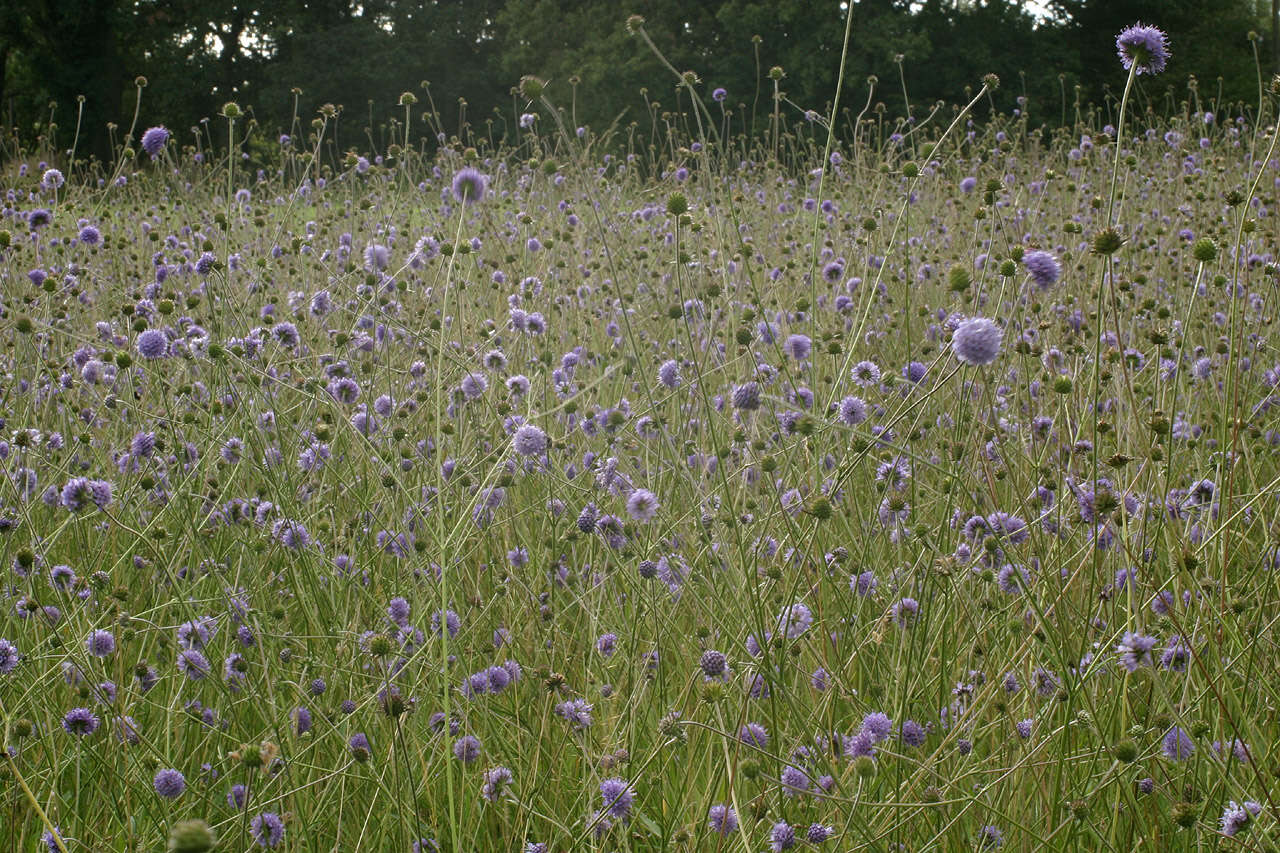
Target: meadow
x,y
906,487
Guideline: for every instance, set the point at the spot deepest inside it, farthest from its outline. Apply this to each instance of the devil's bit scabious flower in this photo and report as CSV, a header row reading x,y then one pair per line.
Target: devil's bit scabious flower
x,y
469,185
154,139
1147,48
1044,268
170,784
529,440
977,341
722,819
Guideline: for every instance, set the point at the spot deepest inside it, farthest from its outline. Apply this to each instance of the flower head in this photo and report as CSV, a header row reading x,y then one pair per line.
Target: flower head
x,y
154,139
1147,48
977,341
469,185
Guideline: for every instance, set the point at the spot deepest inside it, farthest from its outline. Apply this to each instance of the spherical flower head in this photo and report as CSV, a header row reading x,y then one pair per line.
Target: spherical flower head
x,y
746,396
154,139
1146,49
8,657
170,783
713,663
642,505
782,837
529,440
80,721
1135,650
719,95
798,347
267,829
818,833
52,179
877,724
153,344
193,664
466,749
1044,268
754,734
617,796
722,819
1177,744
469,185
853,411
912,733
495,779
977,341
669,373
100,644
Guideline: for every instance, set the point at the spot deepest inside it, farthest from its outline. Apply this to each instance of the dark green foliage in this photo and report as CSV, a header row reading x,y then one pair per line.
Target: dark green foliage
x,y
362,56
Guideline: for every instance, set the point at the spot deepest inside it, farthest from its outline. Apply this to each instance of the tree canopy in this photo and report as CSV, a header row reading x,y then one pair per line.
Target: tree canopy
x,y
65,63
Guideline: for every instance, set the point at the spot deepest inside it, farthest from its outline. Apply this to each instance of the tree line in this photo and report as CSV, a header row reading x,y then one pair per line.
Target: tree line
x,y
71,68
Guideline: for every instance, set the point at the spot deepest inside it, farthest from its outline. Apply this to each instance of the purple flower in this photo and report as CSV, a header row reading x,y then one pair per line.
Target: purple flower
x,y
1177,744
154,139
746,396
529,440
990,836
469,185
1144,48
798,347
853,411
170,784
466,749
8,657
1236,817
782,837
577,712
1044,268
267,829
1023,727
754,734
359,746
80,721
495,779
100,644
193,664
617,796
669,373
642,505
713,663
912,733
722,819
977,341
153,344
719,95
1135,650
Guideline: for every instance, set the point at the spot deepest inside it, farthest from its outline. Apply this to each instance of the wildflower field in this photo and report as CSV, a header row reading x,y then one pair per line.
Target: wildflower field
x,y
907,487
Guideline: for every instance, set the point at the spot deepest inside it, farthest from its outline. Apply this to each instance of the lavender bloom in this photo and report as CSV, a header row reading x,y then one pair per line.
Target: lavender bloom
x,y
754,734
153,344
469,185
1135,650
267,829
153,140
782,837
977,341
1236,817
617,796
722,819
1044,268
529,440
8,657
577,712
100,644
466,749
1147,48
642,505
495,780
798,347
170,784
80,721
1177,744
